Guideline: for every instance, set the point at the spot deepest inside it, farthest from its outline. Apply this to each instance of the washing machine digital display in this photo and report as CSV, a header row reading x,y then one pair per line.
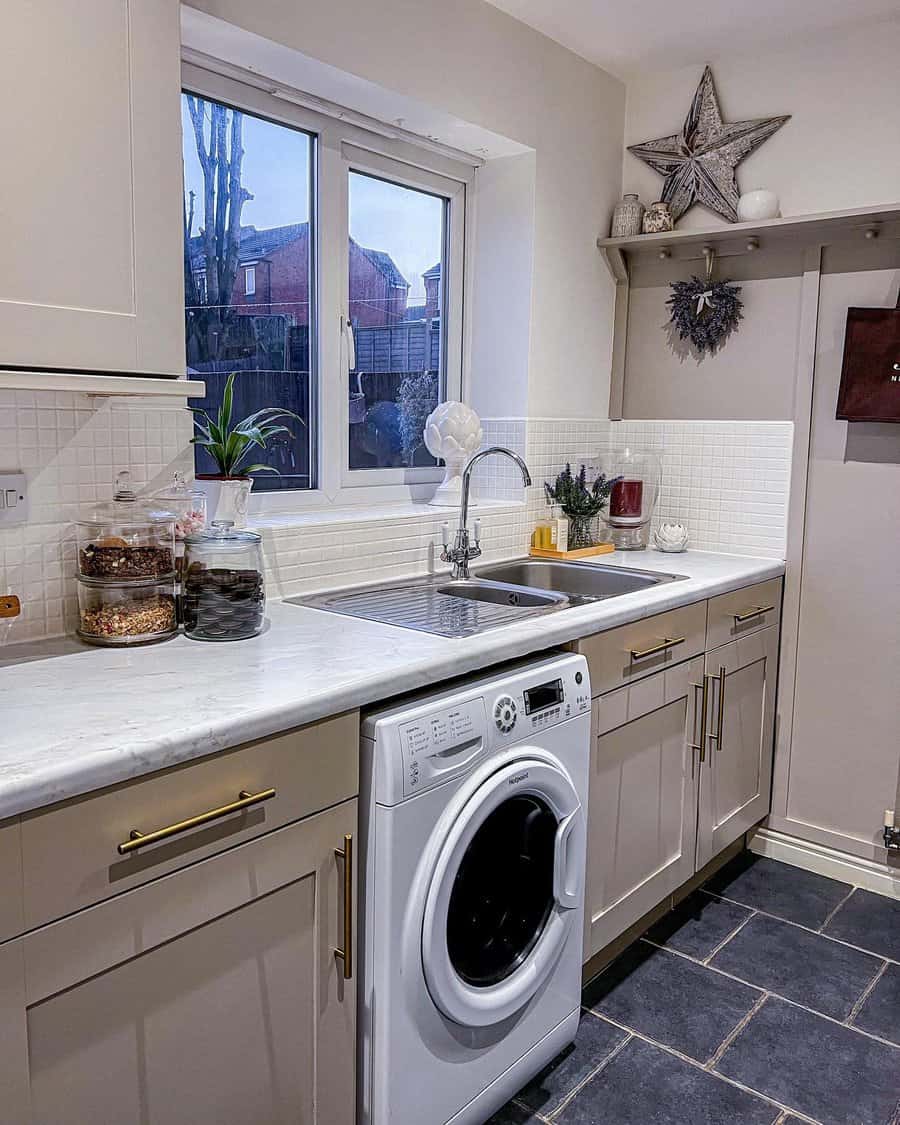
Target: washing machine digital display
x,y
543,696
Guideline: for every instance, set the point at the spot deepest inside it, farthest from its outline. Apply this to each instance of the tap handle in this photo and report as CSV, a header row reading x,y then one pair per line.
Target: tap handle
x,y
477,531
445,533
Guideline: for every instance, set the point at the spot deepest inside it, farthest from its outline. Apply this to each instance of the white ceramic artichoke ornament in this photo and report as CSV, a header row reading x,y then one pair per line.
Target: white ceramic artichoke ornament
x,y
453,433
671,537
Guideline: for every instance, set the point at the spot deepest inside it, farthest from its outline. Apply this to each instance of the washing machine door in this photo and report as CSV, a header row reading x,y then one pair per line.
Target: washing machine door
x,y
504,893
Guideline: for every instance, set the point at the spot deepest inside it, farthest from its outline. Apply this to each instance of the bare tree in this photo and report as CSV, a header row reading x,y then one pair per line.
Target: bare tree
x,y
219,143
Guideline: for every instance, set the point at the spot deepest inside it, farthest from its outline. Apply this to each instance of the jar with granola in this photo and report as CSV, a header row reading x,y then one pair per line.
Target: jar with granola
x,y
130,613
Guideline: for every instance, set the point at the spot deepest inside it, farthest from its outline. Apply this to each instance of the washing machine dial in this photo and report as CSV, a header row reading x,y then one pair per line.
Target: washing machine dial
x,y
505,712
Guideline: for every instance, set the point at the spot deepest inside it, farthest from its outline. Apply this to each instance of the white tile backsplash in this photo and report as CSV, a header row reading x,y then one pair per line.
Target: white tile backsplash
x,y
728,481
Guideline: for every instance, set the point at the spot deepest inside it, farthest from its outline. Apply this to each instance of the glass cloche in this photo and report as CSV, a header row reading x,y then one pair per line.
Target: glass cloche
x,y
633,498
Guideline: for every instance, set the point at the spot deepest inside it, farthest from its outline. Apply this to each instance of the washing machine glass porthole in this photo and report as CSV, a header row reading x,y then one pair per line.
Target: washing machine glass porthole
x,y
503,891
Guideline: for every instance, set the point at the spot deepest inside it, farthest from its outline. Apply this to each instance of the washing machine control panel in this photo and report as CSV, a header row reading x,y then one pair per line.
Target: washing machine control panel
x,y
433,741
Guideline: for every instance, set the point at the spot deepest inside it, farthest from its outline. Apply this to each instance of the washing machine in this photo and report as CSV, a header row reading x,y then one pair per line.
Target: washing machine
x,y
472,835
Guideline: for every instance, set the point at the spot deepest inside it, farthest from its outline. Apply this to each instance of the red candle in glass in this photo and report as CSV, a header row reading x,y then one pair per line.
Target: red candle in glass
x,y
626,498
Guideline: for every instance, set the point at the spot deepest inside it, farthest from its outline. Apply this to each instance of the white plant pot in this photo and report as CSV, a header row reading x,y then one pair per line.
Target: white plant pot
x,y
227,499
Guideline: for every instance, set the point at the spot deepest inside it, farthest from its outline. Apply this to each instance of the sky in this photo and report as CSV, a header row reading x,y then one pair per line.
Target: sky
x,y
406,224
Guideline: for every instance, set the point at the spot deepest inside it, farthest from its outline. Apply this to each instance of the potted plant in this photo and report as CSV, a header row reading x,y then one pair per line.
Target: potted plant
x,y
581,501
230,446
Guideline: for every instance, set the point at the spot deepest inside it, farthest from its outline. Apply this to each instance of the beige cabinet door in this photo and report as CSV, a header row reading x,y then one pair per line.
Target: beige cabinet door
x,y
642,800
736,776
210,995
91,186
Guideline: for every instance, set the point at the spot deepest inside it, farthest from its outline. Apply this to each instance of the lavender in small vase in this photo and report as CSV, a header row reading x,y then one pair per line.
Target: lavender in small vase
x,y
581,501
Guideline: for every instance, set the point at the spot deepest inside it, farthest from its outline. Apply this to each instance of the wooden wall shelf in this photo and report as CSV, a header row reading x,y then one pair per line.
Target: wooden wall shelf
x,y
85,384
741,238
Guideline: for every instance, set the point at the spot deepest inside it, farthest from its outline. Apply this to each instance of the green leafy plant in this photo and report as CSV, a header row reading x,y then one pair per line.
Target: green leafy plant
x,y
576,496
230,445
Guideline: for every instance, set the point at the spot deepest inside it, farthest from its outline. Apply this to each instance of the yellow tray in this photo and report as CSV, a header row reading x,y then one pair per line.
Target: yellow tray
x,y
584,553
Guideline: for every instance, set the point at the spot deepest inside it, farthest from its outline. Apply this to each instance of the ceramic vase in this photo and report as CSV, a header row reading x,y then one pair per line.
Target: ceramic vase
x,y
627,218
658,219
452,433
226,498
757,206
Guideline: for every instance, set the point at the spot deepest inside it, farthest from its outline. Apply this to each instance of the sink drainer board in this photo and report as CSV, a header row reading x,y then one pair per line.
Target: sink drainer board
x,y
424,607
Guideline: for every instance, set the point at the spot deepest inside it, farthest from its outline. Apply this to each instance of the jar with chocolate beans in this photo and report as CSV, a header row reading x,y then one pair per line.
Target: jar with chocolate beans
x,y
223,593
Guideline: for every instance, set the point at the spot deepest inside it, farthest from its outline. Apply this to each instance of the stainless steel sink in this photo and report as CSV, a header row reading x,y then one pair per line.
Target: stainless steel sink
x,y
497,595
436,605
582,582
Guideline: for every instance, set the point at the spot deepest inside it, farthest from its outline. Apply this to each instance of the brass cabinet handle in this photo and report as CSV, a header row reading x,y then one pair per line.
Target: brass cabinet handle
x,y
665,643
748,615
704,700
346,954
142,839
720,717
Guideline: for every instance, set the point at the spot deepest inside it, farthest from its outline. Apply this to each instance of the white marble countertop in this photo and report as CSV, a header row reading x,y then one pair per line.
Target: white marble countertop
x,y
76,718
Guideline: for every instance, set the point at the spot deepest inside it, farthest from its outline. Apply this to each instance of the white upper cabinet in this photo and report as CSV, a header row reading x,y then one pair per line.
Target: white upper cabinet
x,y
90,196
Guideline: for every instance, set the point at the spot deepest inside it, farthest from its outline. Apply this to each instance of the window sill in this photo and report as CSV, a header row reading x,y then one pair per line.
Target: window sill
x,y
367,513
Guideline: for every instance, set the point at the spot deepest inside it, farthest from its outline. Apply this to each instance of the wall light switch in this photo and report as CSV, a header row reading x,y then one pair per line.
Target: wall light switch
x,y
13,499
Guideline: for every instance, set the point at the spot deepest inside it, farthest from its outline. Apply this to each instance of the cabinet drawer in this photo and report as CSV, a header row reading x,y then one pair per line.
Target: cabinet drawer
x,y
70,856
742,612
10,879
630,652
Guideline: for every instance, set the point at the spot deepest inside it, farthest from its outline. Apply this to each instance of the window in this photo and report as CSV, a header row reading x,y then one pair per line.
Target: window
x,y
324,265
395,314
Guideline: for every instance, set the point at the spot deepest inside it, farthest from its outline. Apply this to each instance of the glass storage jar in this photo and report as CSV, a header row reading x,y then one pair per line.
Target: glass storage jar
x,y
127,540
187,504
127,613
223,593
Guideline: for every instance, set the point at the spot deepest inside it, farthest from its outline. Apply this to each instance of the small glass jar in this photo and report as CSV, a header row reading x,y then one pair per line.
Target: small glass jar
x,y
187,504
127,540
126,614
223,593
658,219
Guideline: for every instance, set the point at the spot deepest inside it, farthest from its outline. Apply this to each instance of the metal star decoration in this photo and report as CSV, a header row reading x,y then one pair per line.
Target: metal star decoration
x,y
699,162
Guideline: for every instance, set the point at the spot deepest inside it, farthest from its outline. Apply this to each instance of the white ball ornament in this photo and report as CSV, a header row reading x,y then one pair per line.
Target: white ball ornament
x,y
452,433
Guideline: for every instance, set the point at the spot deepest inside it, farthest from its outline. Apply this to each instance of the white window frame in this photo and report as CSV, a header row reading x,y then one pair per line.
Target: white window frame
x,y
249,281
339,147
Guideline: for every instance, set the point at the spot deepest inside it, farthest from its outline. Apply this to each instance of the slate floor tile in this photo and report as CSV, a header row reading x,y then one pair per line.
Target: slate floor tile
x,y
698,924
881,1012
670,999
594,1042
788,892
512,1114
643,1085
870,921
829,1072
822,974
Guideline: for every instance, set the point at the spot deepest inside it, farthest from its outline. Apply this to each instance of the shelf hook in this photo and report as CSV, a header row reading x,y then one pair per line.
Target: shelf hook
x,y
709,256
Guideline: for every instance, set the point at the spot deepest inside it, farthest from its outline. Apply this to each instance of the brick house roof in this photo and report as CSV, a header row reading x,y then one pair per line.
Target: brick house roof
x,y
258,243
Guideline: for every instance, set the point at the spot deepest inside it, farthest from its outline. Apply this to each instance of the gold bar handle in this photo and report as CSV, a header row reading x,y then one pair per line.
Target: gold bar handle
x,y
346,954
721,722
748,615
142,839
704,701
664,644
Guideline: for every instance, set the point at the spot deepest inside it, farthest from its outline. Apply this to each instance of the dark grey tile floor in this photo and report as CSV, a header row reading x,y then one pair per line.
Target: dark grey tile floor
x,y
769,997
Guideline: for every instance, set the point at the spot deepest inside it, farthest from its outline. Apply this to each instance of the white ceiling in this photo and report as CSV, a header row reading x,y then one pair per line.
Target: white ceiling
x,y
626,36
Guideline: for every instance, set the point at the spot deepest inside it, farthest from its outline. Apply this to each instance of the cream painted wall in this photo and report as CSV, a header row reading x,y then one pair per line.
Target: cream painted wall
x,y
842,146
478,64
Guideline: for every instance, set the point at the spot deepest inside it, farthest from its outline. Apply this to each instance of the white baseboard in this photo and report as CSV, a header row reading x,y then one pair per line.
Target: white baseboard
x,y
877,877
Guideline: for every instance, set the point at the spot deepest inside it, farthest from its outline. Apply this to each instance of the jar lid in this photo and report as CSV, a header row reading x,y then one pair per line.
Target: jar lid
x,y
179,489
126,509
223,534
